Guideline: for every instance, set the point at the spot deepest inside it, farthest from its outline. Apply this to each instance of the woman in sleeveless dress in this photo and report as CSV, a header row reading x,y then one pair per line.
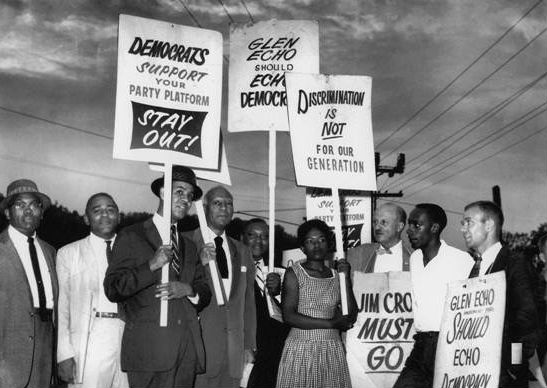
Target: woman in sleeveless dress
x,y
314,356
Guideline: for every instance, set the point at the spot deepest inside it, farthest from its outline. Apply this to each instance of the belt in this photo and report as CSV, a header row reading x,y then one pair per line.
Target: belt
x,y
106,315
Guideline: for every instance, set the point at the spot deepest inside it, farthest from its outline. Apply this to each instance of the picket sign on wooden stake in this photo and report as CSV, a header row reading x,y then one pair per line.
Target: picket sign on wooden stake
x,y
272,153
217,285
165,232
339,247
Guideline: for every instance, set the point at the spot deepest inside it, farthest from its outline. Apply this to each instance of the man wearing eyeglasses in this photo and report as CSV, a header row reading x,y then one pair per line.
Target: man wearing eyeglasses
x,y
154,356
388,253
481,228
229,331
28,290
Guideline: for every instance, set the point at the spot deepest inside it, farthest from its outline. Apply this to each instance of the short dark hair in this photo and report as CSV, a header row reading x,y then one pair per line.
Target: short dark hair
x,y
96,195
253,221
209,193
304,229
491,210
435,213
541,242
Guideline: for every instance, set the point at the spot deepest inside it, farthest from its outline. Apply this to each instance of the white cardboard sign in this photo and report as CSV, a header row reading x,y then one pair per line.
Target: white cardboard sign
x,y
169,89
331,130
260,54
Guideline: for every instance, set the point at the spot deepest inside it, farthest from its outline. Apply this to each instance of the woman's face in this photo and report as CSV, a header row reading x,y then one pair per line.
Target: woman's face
x,y
315,246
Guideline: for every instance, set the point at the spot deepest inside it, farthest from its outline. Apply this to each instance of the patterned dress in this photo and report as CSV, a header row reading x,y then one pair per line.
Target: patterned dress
x,y
314,358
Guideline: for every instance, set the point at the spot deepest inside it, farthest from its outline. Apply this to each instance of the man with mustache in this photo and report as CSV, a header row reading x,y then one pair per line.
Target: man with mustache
x,y
90,329
155,356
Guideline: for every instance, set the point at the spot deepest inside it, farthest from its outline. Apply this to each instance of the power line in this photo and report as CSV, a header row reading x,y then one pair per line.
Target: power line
x,y
266,218
478,122
277,210
460,74
71,127
468,92
190,14
471,150
414,204
476,146
479,161
249,12
226,11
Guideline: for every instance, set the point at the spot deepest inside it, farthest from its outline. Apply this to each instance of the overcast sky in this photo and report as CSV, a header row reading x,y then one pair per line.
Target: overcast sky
x,y
58,64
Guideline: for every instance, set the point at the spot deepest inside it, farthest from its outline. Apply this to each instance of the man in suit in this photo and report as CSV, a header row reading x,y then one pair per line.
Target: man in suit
x,y
270,333
481,227
155,356
28,290
388,253
90,330
229,331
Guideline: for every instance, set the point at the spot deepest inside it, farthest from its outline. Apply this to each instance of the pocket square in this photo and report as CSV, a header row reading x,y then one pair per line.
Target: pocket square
x,y
243,268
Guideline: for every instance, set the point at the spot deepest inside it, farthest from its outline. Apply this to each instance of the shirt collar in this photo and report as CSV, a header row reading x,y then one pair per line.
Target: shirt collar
x,y
18,236
99,241
489,255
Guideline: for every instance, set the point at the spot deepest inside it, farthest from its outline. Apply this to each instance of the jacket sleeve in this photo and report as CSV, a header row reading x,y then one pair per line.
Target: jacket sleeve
x,y
523,321
65,349
200,284
129,272
250,305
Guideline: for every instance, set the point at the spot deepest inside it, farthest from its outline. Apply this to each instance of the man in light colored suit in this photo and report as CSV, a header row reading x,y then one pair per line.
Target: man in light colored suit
x,y
90,330
388,253
229,331
28,290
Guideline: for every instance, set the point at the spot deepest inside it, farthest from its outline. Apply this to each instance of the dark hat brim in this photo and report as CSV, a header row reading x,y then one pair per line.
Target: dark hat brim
x,y
44,199
158,184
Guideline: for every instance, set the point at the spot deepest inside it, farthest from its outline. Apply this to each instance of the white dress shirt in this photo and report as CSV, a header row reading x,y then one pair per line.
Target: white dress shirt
x,y
488,257
98,245
393,261
20,241
429,283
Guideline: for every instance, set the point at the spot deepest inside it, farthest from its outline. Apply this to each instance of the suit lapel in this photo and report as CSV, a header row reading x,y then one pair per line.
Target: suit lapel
x,y
235,262
499,263
371,259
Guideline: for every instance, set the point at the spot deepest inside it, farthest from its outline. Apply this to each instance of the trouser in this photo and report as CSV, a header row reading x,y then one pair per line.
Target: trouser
x,y
102,361
420,364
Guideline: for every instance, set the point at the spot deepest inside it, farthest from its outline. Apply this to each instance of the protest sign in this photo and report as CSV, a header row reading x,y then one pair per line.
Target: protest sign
x,y
356,213
469,347
331,130
381,338
260,54
169,89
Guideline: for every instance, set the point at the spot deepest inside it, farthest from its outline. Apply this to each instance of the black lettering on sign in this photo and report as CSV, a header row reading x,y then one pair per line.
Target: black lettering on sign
x,y
167,129
351,235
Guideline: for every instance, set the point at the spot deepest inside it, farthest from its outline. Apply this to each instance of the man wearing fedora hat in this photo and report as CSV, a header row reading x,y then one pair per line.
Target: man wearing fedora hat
x,y
155,356
28,290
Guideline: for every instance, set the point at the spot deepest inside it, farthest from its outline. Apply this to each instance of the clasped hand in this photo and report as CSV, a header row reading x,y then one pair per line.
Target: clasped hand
x,y
174,290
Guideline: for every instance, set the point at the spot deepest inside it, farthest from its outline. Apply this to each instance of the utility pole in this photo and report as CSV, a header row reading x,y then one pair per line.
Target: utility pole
x,y
496,195
399,168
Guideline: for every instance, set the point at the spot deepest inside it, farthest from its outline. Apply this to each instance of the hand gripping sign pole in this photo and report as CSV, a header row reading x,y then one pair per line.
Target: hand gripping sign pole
x,y
165,233
215,278
272,153
339,248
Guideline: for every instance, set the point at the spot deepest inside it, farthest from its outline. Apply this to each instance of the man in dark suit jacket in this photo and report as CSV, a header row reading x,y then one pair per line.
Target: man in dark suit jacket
x,y
388,253
229,331
481,227
270,333
155,356
28,291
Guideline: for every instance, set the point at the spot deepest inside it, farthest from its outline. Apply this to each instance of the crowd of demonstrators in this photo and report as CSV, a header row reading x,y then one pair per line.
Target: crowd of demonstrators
x,y
89,315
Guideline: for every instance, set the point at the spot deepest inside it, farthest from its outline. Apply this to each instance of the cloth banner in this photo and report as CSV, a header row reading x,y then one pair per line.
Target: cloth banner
x,y
381,338
331,130
260,54
355,208
469,347
169,89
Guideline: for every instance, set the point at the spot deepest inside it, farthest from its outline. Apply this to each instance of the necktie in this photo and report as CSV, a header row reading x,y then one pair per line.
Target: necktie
x,y
175,263
476,267
222,262
108,250
259,276
38,277
383,251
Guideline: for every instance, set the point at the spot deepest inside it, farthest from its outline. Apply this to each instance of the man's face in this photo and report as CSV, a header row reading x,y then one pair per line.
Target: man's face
x,y
25,213
102,216
219,209
256,237
387,228
181,200
421,231
475,228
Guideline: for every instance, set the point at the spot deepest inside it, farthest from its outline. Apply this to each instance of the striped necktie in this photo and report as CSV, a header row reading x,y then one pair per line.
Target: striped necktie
x,y
176,262
260,276
475,271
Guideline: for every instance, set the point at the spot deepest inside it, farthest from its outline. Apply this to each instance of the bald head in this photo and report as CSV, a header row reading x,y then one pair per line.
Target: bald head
x,y
219,208
389,222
